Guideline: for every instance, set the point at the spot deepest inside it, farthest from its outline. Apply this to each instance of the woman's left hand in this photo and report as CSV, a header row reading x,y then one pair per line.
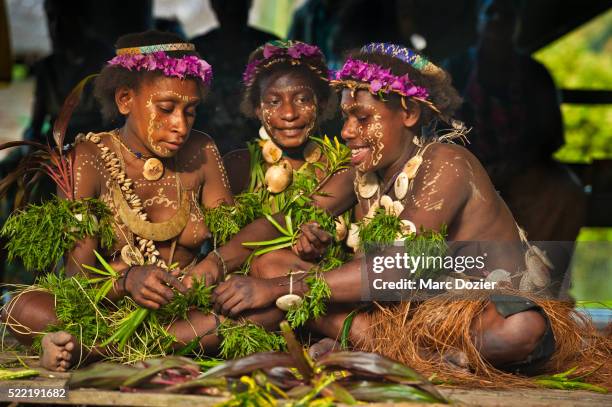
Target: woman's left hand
x,y
242,293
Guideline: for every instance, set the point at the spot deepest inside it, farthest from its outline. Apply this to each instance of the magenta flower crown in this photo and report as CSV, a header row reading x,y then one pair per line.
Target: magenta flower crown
x,y
188,65
378,79
292,50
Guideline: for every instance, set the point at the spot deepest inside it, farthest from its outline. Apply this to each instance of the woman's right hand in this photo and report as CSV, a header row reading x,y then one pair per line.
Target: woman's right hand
x,y
312,242
150,286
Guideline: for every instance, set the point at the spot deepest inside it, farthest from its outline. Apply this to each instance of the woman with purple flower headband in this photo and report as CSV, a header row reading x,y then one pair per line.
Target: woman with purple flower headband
x,y
287,89
409,176
155,173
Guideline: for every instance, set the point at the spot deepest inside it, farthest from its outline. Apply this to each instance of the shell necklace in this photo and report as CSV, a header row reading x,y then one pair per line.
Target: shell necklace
x,y
280,173
153,168
367,184
130,206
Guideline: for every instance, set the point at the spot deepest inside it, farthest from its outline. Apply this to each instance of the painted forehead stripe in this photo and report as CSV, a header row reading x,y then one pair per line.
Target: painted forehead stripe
x,y
289,88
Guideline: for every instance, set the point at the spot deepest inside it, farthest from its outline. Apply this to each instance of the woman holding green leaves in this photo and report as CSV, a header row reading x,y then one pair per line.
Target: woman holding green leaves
x,y
407,180
287,171
148,180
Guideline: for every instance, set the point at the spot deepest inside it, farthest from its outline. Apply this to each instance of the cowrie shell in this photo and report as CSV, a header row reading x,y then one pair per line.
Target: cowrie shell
x,y
288,301
386,202
341,229
352,239
412,166
401,186
367,185
397,208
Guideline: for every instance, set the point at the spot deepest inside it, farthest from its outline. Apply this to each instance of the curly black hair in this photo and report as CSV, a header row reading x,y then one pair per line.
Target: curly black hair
x,y
437,82
113,77
314,68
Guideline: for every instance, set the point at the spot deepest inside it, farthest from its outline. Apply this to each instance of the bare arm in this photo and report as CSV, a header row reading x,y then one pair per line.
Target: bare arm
x,y
336,197
216,188
86,185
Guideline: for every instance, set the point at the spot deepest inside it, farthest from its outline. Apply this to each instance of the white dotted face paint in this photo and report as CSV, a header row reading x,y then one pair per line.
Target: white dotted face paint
x,y
289,111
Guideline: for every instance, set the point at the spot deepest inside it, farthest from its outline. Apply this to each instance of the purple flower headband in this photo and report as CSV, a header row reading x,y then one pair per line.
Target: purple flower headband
x,y
379,79
188,65
294,50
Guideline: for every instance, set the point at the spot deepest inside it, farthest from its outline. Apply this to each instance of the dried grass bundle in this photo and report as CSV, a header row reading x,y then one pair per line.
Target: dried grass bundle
x,y
422,334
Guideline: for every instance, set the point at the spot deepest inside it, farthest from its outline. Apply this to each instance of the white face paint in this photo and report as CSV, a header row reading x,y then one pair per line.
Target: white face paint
x,y
288,110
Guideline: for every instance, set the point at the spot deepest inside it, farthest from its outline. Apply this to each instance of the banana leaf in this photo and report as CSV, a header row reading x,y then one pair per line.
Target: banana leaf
x,y
219,383
101,375
372,364
296,350
282,377
154,366
70,103
389,392
248,364
105,375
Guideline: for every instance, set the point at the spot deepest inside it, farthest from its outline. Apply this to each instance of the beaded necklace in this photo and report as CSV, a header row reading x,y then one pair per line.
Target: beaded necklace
x,y
153,168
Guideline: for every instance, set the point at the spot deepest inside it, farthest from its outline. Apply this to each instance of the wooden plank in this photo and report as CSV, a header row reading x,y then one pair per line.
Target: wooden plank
x,y
471,397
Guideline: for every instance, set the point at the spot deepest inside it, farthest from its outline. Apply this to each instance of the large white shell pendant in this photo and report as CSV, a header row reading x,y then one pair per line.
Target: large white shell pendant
x,y
131,256
271,152
153,169
288,301
279,176
401,186
367,185
412,166
312,152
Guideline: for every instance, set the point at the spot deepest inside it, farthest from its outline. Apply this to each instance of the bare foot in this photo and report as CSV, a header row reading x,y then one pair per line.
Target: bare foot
x,y
323,347
58,351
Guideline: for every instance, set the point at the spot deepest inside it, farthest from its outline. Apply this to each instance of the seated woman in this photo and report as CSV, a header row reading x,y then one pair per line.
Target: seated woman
x,y
287,89
153,173
391,100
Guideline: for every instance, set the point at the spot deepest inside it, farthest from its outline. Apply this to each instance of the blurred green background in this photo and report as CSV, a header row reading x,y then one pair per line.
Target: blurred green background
x,y
582,59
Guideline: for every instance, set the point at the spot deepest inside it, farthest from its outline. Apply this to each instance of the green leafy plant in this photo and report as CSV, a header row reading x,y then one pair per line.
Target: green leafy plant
x,y
41,234
224,221
240,339
382,229
565,381
313,305
272,378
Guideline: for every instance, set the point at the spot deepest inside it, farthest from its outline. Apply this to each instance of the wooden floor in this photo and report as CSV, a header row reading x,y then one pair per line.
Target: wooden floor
x,y
461,396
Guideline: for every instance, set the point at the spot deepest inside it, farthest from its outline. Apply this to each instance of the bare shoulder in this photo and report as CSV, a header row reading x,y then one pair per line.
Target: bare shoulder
x,y
199,140
452,159
443,152
446,171
87,148
199,151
